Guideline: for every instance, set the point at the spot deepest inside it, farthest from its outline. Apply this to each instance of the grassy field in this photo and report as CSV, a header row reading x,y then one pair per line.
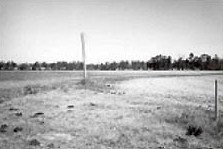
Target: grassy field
x,y
124,109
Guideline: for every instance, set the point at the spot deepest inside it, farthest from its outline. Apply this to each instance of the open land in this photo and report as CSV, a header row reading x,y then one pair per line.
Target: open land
x,y
119,109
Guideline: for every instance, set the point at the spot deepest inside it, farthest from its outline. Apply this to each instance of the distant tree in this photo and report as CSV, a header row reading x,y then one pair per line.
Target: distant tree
x,y
79,66
9,65
216,62
13,65
71,66
53,66
160,62
102,66
190,61
114,66
64,65
136,65
97,67
187,64
144,65
58,65
191,56
180,64
169,62
1,65
90,67
24,66
122,65
221,64
197,62
107,66
36,66
44,64
205,61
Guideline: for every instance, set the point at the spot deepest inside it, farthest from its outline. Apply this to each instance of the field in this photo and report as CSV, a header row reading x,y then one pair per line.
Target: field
x,y
110,110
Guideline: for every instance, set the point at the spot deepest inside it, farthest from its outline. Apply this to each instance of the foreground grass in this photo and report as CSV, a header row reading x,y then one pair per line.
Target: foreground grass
x,y
109,113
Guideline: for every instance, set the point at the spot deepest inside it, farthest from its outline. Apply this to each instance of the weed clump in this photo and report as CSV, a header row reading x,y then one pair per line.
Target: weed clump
x,y
31,90
194,130
95,85
1,101
92,104
70,106
19,114
181,142
51,145
197,122
37,114
18,129
34,142
3,128
34,89
13,109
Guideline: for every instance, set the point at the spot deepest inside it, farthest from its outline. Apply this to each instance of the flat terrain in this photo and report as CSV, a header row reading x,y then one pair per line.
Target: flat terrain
x,y
132,110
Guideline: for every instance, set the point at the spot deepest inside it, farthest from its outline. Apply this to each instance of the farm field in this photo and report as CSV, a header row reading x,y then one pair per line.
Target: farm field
x,y
119,109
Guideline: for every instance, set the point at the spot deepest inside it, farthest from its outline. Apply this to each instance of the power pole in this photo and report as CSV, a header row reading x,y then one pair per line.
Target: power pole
x,y
83,55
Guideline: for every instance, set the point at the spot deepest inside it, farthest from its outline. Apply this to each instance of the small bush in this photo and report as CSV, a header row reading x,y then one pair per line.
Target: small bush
x,y
34,89
34,142
218,128
197,122
37,114
31,90
3,128
18,129
99,85
90,84
194,130
1,101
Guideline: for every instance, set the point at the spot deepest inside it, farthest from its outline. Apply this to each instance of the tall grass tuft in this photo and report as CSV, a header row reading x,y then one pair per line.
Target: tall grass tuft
x,y
198,121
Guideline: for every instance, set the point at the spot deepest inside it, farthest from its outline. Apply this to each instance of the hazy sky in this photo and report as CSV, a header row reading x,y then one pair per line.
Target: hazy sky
x,y
49,30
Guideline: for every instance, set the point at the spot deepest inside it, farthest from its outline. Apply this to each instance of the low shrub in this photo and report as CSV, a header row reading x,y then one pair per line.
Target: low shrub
x,y
196,122
31,89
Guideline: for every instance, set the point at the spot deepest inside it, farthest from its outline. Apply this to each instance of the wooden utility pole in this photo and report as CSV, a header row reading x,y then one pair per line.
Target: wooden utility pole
x,y
216,101
83,55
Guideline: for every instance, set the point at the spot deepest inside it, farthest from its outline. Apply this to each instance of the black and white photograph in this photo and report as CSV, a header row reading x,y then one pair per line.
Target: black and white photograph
x,y
111,74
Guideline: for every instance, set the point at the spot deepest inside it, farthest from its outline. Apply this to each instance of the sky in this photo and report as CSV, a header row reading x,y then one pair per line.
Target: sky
x,y
49,30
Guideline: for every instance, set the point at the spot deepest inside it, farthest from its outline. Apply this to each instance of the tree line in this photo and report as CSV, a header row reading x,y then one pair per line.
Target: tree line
x,y
159,62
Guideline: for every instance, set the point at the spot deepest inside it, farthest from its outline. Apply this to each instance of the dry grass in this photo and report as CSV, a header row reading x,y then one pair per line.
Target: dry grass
x,y
96,114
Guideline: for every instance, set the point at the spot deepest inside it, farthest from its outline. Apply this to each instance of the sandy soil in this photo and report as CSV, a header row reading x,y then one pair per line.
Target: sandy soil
x,y
137,113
